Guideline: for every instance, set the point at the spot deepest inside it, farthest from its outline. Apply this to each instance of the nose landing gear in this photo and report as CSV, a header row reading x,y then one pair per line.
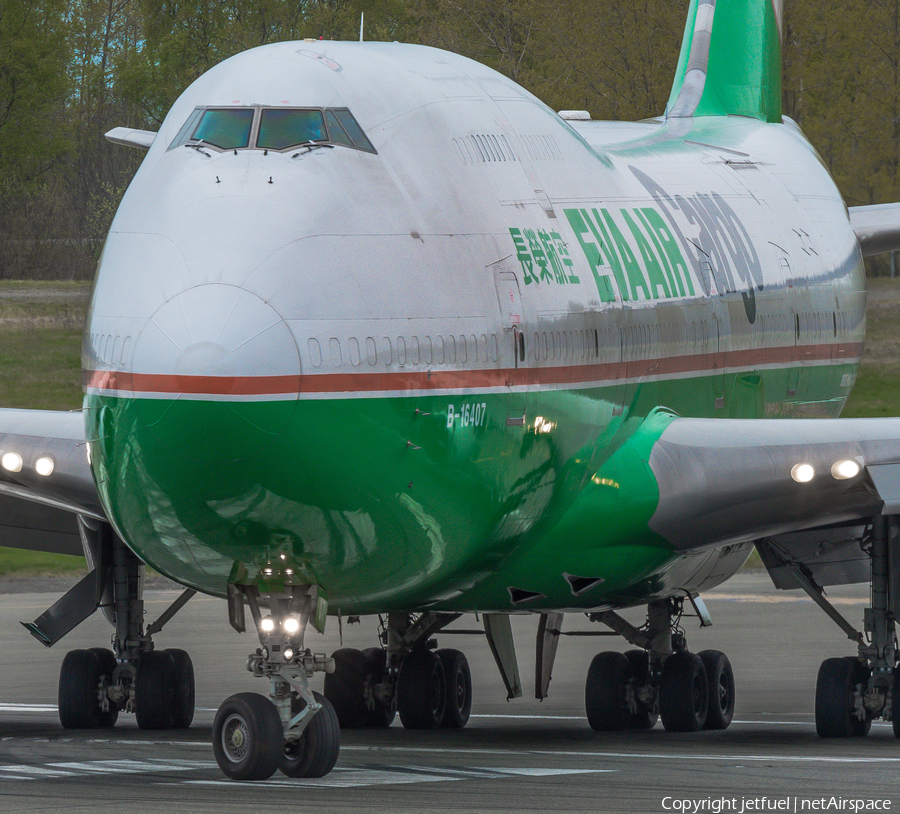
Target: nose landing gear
x,y
294,730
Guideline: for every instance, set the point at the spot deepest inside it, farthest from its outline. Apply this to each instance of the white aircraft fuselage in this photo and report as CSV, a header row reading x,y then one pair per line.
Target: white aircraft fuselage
x,y
424,376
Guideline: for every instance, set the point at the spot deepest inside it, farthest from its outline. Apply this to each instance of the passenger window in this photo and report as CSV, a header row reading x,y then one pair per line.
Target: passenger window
x,y
225,129
315,352
280,129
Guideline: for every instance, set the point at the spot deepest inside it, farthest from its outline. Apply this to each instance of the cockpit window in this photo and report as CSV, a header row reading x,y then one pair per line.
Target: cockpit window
x,y
345,117
280,129
271,128
226,129
338,134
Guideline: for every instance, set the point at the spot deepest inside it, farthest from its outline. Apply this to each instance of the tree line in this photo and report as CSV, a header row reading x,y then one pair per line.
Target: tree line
x,y
70,70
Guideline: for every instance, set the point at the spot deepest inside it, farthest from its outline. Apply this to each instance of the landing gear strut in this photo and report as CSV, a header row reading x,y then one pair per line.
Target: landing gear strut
x,y
853,691
664,680
294,730
96,684
428,687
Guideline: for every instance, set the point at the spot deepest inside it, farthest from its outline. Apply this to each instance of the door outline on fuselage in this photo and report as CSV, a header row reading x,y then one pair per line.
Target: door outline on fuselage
x,y
718,365
512,319
796,300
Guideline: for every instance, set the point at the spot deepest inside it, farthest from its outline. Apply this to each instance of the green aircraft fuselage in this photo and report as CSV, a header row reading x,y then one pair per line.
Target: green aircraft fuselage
x,y
430,376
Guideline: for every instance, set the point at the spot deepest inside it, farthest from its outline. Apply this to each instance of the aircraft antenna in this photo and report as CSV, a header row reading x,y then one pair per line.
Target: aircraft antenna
x,y
362,18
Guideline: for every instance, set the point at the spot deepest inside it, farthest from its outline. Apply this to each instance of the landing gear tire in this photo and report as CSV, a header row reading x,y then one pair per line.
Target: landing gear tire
x,y
315,754
895,703
720,679
421,690
459,688
79,691
183,707
248,738
639,669
683,693
345,687
605,692
154,691
381,717
835,685
107,661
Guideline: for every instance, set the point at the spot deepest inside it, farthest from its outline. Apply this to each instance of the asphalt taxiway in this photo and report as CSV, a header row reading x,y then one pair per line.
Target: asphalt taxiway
x,y
518,756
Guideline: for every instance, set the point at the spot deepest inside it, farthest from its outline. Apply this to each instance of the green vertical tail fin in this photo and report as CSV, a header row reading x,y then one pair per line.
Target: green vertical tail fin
x,y
730,61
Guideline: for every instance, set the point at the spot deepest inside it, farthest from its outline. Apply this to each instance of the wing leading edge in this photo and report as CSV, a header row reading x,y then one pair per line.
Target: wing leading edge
x,y
39,511
877,228
724,481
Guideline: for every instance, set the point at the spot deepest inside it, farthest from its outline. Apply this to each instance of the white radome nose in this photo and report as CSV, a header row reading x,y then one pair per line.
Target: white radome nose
x,y
216,329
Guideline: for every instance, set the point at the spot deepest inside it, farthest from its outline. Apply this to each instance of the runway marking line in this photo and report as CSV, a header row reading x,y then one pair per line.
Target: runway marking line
x,y
564,753
350,777
766,599
105,767
39,708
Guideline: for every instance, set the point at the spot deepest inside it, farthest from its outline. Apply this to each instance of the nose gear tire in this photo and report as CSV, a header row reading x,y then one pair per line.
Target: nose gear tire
x,y
248,738
315,754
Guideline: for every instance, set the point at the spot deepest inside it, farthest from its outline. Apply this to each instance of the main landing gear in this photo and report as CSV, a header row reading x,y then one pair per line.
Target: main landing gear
x,y
295,730
853,691
663,680
432,688
95,685
428,687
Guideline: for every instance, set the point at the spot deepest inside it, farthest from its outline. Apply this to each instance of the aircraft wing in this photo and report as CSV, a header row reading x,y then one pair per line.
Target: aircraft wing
x,y
877,227
45,480
130,137
724,481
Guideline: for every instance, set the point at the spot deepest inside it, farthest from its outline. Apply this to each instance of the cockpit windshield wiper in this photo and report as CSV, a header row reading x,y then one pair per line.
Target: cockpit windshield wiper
x,y
198,145
310,146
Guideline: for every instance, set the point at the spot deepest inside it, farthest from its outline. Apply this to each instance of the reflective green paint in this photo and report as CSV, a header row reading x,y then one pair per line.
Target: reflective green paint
x,y
387,508
744,71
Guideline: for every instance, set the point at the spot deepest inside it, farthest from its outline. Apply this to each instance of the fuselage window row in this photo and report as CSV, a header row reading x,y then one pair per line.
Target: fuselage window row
x,y
407,351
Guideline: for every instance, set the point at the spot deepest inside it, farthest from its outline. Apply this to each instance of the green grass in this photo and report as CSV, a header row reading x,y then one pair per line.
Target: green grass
x,y
877,392
40,344
15,562
40,368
